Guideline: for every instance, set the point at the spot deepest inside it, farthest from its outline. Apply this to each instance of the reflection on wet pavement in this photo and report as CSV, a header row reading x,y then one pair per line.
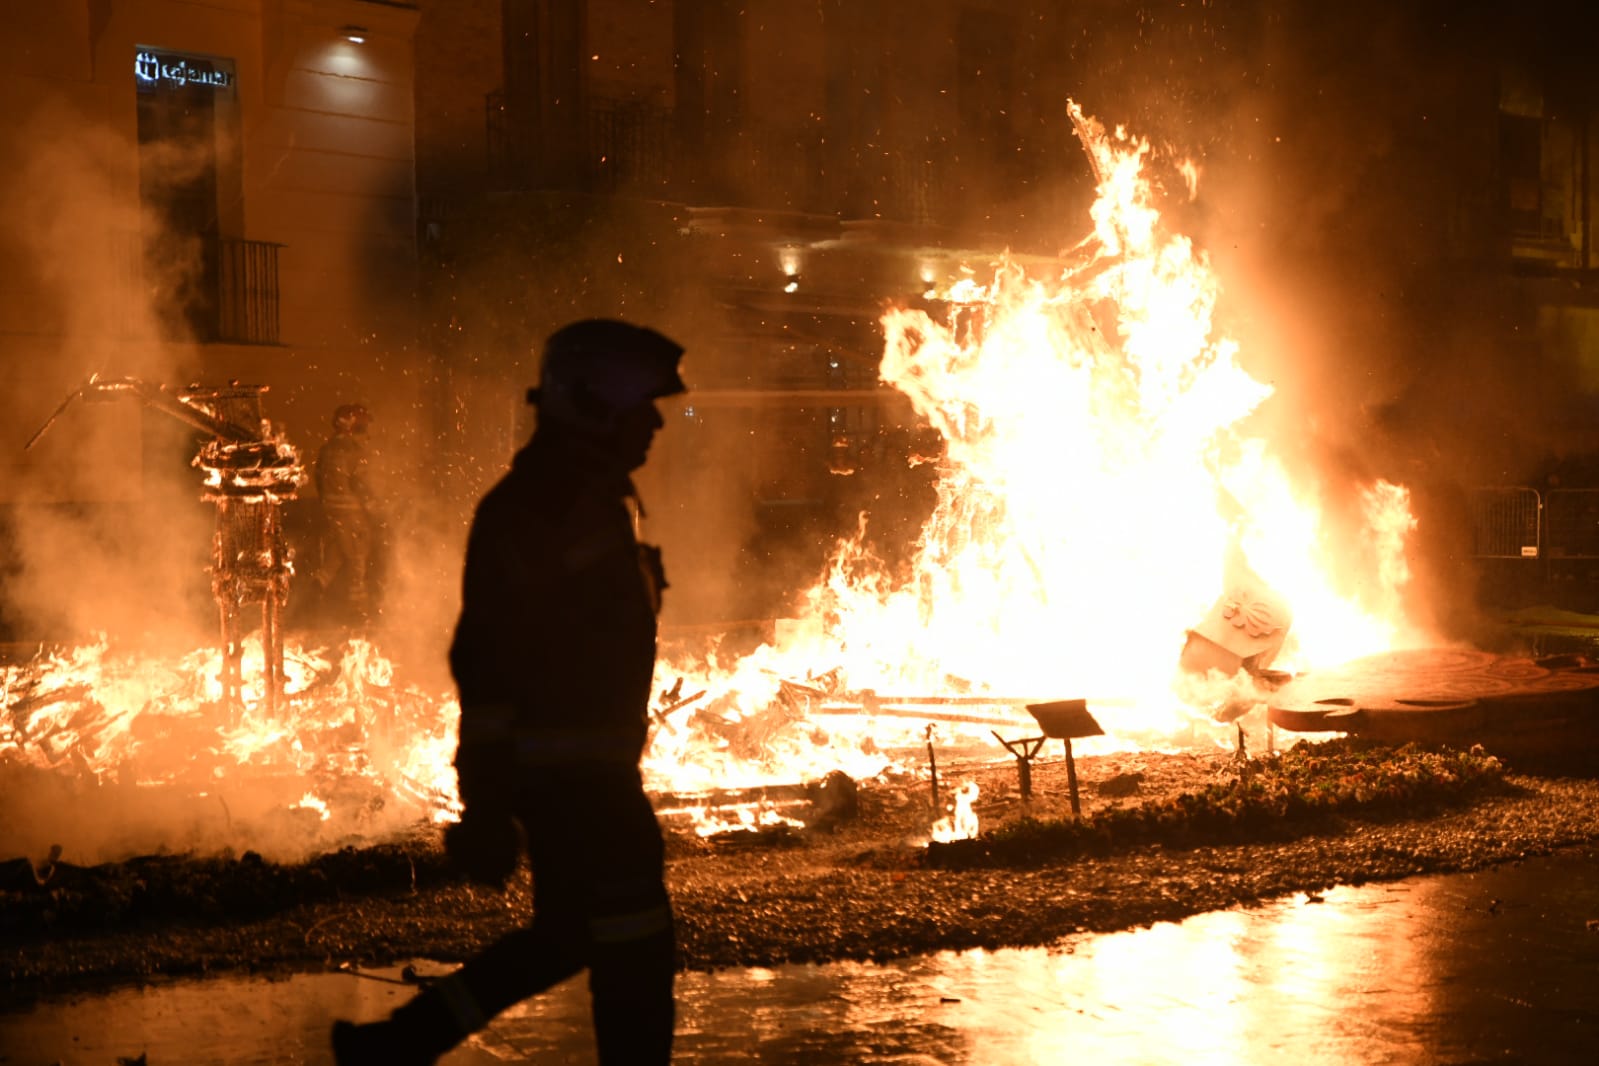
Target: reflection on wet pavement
x,y
1501,965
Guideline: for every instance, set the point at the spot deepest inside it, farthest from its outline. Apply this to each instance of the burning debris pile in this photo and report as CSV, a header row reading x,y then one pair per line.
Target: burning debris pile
x,y
1106,526
252,745
106,750
1100,498
249,472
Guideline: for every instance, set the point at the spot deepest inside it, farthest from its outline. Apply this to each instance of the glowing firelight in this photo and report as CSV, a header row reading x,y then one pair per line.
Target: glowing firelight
x,y
1098,491
377,753
312,802
961,821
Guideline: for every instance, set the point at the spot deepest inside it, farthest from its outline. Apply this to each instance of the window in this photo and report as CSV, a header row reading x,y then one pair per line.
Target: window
x,y
179,185
1545,177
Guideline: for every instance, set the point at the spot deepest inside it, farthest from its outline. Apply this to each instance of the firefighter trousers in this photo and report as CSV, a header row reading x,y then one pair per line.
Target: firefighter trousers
x,y
599,903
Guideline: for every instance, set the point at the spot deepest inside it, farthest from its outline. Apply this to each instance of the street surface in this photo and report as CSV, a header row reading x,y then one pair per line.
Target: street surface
x,y
1496,966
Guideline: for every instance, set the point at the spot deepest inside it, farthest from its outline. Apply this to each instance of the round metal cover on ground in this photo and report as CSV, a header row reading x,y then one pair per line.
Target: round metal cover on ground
x,y
1439,694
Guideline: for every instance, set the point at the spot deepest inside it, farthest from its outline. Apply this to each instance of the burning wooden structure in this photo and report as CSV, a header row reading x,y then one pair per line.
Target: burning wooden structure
x,y
249,471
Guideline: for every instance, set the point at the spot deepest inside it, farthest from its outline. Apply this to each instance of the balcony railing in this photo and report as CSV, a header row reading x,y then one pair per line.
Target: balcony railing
x,y
228,296
247,292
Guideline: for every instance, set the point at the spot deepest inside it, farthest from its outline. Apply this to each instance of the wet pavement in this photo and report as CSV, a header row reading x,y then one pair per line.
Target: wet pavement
x,y
1497,966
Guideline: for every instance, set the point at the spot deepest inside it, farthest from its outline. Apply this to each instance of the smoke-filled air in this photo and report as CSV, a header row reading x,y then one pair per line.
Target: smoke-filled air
x,y
1104,484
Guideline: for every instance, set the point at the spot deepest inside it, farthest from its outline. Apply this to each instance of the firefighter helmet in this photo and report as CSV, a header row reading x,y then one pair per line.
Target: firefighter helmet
x,y
351,418
599,367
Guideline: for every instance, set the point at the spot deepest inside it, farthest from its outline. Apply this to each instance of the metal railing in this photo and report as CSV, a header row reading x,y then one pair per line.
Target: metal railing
x,y
630,146
1506,522
1572,523
247,302
1519,522
232,296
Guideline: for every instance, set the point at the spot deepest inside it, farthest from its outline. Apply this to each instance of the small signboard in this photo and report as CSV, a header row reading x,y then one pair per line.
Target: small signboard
x,y
156,69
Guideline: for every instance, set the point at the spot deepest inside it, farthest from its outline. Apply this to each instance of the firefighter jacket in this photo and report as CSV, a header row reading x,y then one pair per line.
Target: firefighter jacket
x,y
342,478
554,652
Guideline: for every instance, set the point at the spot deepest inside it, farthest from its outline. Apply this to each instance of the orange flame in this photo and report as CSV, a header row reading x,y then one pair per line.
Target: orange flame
x,y
347,742
1099,491
961,821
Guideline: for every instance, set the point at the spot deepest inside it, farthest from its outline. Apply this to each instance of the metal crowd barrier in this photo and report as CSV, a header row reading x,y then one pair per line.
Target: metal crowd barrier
x,y
1572,523
1507,522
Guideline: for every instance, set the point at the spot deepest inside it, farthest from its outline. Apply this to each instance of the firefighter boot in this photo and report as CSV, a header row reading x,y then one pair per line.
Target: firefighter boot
x,y
631,985
391,1042
374,1044
416,1034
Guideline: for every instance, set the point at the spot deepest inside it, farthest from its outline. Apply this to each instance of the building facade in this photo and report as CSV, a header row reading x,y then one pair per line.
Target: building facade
x,y
760,180
392,203
196,193
1396,196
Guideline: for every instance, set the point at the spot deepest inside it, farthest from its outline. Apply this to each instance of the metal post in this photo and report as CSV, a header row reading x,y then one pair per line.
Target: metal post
x,y
1071,779
232,670
271,606
1024,750
271,654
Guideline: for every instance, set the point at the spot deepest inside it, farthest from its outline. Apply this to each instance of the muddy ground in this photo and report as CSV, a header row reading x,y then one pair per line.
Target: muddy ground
x,y
861,888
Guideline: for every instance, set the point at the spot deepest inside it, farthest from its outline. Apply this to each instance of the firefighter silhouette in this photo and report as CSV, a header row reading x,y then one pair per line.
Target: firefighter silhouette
x,y
554,657
350,525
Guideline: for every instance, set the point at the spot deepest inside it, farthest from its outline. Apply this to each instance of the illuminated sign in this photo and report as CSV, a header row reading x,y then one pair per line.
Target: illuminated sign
x,y
152,70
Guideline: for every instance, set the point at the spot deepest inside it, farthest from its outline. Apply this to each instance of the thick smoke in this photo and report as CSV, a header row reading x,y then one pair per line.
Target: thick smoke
x,y
1355,272
1344,152
1322,136
108,535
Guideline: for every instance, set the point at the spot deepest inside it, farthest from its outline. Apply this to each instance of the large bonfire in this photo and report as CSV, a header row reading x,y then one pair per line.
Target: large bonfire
x,y
1096,494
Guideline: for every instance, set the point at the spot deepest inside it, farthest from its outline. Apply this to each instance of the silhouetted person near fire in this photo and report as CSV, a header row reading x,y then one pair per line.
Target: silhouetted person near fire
x,y
343,474
554,657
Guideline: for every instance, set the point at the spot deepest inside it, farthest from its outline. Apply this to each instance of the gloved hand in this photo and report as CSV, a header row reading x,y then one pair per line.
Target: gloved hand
x,y
486,844
485,775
